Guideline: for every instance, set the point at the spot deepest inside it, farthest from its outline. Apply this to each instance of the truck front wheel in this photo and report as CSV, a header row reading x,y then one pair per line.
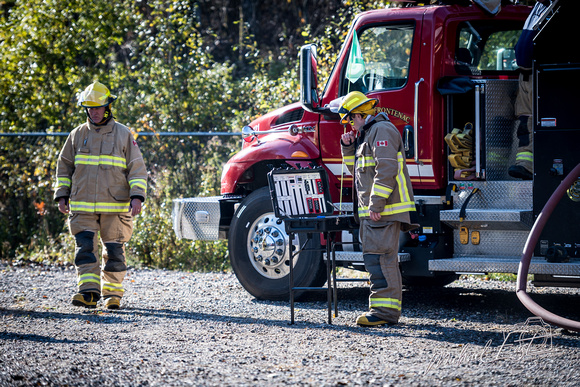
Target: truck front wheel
x,y
260,251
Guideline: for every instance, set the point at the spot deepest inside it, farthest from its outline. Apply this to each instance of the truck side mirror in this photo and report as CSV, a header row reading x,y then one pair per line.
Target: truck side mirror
x,y
248,134
309,78
408,142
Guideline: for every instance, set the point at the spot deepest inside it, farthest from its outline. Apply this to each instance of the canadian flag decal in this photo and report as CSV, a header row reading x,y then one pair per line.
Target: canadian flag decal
x,y
382,143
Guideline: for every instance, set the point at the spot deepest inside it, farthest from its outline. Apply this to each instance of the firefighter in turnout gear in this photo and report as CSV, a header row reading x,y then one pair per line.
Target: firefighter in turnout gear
x,y
373,153
101,182
524,166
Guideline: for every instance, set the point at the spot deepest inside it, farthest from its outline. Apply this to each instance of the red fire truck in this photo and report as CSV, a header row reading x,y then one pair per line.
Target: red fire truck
x,y
447,78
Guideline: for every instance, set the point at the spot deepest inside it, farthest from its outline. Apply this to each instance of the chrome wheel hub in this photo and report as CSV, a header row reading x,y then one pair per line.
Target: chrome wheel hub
x,y
268,247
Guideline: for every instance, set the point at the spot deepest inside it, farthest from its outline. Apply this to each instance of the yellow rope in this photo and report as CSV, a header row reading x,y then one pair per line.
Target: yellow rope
x,y
342,165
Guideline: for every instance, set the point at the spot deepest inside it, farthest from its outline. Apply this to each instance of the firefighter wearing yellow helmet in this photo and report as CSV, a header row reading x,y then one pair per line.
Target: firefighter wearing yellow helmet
x,y
373,153
101,183
356,102
96,95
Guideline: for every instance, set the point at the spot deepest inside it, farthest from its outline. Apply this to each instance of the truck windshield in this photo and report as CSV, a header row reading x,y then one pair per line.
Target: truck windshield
x,y
379,59
484,47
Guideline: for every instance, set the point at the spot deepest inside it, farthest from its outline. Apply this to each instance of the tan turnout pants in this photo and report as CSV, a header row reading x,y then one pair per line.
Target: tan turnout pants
x,y
380,242
106,277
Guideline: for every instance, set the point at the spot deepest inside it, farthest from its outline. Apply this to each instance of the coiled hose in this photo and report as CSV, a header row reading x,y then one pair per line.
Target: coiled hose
x,y
529,249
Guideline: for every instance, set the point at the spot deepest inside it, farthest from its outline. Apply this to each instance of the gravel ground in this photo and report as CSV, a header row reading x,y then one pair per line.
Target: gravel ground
x,y
180,328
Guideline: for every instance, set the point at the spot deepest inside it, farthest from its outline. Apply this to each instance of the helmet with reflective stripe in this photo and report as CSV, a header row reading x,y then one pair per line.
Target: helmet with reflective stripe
x,y
356,102
96,95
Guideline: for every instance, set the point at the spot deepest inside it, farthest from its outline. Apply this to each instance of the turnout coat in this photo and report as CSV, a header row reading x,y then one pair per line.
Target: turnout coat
x,y
377,162
100,169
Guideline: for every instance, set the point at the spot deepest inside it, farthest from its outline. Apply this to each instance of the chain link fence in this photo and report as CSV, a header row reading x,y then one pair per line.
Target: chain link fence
x,y
180,164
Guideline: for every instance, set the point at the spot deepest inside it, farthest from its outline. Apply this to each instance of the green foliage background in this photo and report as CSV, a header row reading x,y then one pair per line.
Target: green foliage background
x,y
177,66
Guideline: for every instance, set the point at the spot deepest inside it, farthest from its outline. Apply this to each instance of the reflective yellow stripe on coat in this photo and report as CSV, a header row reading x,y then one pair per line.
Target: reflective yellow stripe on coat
x,y
99,207
366,161
348,160
141,183
63,182
100,160
381,190
389,209
401,181
406,203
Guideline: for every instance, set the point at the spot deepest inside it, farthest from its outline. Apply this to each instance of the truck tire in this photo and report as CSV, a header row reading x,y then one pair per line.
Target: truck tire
x,y
259,251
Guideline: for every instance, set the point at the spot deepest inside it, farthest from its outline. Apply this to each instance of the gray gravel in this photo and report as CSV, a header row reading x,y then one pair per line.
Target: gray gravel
x,y
180,328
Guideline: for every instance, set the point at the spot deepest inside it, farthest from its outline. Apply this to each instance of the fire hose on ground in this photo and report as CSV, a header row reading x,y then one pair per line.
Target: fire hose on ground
x,y
529,249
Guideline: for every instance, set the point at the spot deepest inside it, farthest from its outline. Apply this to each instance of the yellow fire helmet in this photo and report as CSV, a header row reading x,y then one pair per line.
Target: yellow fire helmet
x,y
356,102
96,95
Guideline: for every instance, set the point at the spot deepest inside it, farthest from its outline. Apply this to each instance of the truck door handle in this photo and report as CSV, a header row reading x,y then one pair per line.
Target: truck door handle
x,y
408,142
415,122
479,90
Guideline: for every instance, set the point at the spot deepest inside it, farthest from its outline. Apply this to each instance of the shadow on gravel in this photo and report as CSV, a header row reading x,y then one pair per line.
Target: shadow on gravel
x,y
43,316
38,338
489,305
88,315
435,308
481,305
320,323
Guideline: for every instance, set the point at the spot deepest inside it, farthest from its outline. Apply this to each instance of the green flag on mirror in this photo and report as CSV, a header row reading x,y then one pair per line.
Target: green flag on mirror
x,y
356,64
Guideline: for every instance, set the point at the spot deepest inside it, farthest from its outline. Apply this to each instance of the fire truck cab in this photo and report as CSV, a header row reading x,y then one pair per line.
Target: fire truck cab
x,y
446,77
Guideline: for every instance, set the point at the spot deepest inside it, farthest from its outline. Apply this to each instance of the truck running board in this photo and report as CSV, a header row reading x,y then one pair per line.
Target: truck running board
x,y
357,256
490,219
504,265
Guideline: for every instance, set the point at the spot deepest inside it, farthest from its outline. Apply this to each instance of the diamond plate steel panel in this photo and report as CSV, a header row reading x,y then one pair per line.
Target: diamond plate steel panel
x,y
492,243
499,127
357,256
504,265
490,219
507,195
345,207
197,218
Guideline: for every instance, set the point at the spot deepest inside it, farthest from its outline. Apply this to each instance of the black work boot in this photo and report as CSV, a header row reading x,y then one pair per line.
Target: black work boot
x,y
520,172
86,299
